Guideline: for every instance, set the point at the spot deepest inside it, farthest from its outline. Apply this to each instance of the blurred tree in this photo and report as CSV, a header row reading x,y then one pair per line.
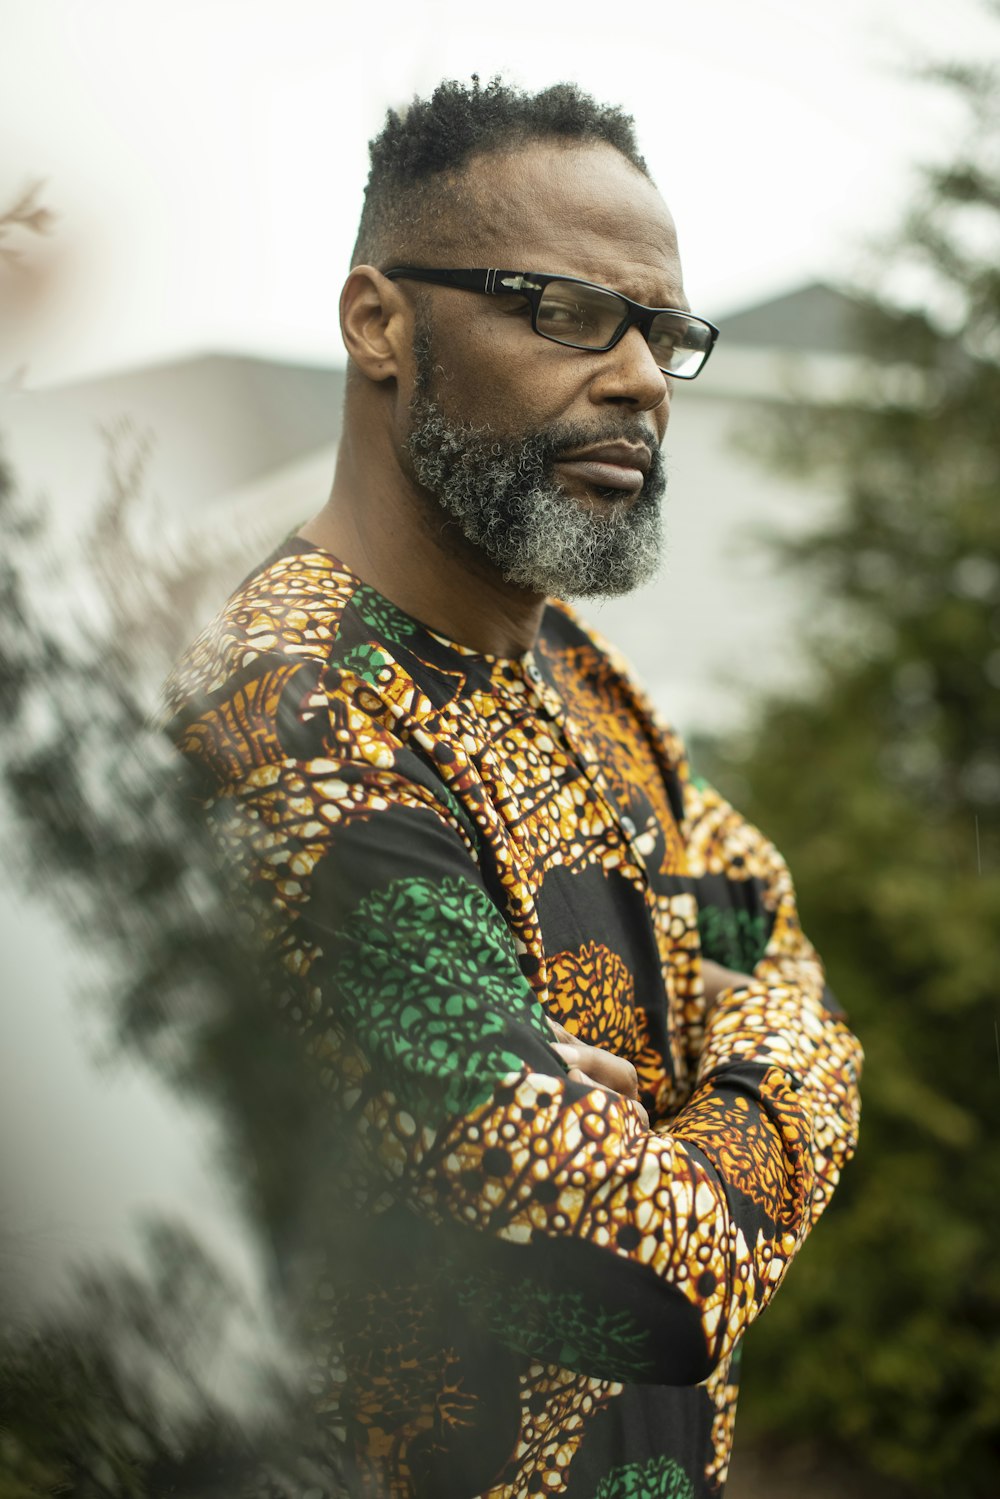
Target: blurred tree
x,y
881,784
108,1397
126,1388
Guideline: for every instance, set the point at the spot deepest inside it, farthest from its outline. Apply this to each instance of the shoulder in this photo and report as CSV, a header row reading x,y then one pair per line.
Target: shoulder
x,y
292,669
290,610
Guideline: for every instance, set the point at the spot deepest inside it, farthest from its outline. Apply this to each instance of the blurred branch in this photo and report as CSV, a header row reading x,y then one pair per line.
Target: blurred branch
x,y
25,213
25,276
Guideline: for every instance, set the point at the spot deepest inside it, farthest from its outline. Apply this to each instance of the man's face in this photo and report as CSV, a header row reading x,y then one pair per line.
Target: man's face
x,y
548,457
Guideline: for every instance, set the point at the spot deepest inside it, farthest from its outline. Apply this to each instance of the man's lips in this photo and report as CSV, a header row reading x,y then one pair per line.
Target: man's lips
x,y
612,466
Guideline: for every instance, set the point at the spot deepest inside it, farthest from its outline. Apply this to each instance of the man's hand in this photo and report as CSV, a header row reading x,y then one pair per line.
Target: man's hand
x,y
716,978
597,1067
602,1069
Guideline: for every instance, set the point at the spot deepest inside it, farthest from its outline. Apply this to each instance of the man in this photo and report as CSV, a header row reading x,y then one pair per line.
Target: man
x,y
471,831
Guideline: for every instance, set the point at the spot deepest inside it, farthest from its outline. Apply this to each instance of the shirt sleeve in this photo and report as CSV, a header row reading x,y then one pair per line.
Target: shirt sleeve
x,y
628,1253
788,1017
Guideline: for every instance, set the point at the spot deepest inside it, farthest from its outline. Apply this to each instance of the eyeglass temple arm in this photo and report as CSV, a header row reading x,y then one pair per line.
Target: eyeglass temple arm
x,y
466,280
492,281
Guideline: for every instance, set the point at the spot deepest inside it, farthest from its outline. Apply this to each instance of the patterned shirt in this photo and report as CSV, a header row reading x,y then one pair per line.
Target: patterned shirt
x,y
524,1288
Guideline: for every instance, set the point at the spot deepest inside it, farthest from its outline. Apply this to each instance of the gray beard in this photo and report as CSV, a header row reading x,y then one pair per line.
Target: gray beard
x,y
504,496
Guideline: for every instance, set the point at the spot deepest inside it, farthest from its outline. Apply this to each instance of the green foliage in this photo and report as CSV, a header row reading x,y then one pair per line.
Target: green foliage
x,y
124,1388
109,1397
882,786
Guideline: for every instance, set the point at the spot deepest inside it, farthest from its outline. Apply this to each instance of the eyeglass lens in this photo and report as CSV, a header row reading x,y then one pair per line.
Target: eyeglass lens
x,y
589,317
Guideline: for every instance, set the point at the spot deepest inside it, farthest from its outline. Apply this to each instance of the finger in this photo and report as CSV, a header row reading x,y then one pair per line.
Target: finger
x,y
630,1081
614,1071
716,978
570,1054
713,977
576,1075
609,1070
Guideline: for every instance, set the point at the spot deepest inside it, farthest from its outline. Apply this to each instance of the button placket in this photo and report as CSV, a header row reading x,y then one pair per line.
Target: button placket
x,y
588,763
544,696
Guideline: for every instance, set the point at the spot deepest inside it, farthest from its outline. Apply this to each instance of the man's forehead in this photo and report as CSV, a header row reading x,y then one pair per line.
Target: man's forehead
x,y
582,209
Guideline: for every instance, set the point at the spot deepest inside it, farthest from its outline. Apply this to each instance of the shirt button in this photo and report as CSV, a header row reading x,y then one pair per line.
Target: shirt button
x,y
628,827
534,673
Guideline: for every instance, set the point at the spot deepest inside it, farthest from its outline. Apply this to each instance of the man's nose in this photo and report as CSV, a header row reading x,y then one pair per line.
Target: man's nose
x,y
629,375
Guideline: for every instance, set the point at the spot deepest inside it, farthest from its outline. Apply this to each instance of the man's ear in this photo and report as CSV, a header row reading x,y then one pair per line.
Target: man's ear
x,y
375,322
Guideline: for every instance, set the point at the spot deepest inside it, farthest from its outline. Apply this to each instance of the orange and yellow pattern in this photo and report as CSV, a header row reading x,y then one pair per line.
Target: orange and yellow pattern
x,y
515,1285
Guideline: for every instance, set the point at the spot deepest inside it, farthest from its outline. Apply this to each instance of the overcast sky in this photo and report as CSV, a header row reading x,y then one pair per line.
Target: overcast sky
x,y
207,157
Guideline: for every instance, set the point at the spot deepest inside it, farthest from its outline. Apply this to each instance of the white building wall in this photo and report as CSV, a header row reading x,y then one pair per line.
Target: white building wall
x,y
721,622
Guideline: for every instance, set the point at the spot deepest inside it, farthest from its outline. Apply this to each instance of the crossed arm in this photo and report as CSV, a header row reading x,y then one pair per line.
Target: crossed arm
x,y
527,1153
604,1069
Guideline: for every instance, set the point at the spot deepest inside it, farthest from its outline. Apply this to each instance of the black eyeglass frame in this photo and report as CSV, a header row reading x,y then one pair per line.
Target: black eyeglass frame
x,y
531,285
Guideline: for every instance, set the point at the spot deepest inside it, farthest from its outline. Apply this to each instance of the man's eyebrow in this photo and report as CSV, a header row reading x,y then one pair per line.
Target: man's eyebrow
x,y
678,302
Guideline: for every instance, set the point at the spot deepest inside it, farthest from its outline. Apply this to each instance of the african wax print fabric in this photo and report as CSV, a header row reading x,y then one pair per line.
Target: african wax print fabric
x,y
514,1285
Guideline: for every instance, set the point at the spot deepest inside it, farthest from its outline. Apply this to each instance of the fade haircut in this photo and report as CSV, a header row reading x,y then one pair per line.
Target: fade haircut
x,y
415,185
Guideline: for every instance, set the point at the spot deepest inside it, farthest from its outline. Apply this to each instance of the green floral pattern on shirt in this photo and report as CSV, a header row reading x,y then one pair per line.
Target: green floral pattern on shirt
x,y
660,1478
434,1001
527,1316
366,661
382,617
733,937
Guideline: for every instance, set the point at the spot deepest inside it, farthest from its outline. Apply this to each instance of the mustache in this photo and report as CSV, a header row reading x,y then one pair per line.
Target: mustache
x,y
567,438
530,455
554,443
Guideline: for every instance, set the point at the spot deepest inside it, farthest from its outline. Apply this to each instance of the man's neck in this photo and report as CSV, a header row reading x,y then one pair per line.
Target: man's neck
x,y
390,538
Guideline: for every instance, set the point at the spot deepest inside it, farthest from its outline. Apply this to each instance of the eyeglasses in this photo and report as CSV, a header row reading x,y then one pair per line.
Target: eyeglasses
x,y
584,316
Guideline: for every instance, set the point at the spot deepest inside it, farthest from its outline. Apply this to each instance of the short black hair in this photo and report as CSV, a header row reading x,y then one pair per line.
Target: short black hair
x,y
420,151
